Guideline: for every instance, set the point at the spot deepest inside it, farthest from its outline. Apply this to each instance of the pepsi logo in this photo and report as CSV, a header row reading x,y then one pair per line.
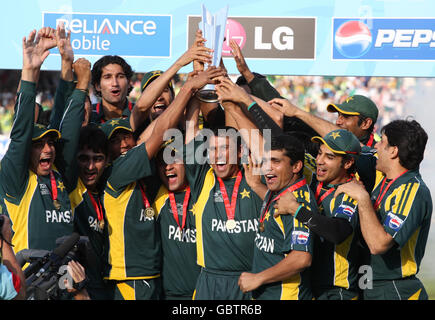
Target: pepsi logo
x,y
353,39
394,221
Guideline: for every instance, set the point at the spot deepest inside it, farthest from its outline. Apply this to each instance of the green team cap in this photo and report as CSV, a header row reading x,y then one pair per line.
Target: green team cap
x,y
356,105
109,127
152,75
40,131
340,141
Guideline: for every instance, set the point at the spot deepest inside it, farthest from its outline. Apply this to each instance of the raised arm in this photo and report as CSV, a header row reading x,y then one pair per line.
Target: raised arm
x,y
197,52
66,81
169,118
15,164
321,126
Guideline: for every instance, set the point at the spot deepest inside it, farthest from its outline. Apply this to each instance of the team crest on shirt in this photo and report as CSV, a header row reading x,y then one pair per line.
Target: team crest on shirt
x,y
300,237
393,221
346,210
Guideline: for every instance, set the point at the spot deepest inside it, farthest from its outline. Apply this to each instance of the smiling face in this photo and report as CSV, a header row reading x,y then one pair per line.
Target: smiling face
x,y
91,166
173,175
43,154
113,85
120,142
161,104
278,170
330,167
223,156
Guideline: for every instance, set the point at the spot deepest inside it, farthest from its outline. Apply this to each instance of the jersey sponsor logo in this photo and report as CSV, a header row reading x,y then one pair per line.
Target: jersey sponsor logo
x,y
346,210
186,235
384,39
393,221
300,237
121,34
242,226
53,216
264,243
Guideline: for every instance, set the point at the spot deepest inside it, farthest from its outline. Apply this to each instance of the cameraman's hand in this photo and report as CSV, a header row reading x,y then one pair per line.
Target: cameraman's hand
x,y
77,272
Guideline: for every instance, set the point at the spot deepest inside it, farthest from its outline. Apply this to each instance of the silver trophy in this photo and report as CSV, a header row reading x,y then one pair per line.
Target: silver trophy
x,y
213,30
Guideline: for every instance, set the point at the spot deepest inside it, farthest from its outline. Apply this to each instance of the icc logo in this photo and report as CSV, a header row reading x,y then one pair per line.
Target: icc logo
x,y
353,39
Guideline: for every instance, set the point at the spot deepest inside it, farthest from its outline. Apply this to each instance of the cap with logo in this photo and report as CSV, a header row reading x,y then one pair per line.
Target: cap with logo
x,y
356,105
109,127
340,141
150,77
39,131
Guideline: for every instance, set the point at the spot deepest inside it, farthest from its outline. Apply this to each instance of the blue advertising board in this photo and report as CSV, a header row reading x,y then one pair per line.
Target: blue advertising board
x,y
327,37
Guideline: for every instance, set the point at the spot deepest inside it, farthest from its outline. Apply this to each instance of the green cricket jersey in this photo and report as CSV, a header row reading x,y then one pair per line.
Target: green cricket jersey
x,y
280,236
28,197
220,248
134,240
405,213
336,265
179,268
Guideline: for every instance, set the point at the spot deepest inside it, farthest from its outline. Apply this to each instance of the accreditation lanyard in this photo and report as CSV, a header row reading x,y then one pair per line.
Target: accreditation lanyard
x,y
97,206
230,208
383,191
292,188
174,207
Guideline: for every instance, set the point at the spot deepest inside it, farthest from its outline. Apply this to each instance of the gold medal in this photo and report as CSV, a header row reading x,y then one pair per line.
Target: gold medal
x,y
261,227
101,224
56,204
231,224
149,212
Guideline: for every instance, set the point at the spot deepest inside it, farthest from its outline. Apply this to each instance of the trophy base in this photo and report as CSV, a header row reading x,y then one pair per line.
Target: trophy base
x,y
207,95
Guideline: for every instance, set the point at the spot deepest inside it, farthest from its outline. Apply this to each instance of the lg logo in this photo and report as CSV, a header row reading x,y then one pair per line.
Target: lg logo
x,y
268,38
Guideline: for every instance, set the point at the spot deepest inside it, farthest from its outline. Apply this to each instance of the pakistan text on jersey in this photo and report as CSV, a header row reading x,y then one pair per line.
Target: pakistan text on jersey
x,y
241,226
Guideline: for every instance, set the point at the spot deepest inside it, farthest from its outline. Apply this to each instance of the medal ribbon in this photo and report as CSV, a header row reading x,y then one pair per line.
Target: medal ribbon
x,y
97,207
53,186
383,191
144,197
174,207
371,140
327,193
292,188
230,209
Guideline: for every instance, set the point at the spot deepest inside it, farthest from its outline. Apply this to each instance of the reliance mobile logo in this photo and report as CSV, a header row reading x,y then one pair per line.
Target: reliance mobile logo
x,y
125,35
384,39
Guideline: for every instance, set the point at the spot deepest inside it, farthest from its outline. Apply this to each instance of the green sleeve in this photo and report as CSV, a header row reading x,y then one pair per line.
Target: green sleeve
x,y
63,91
14,168
69,126
261,87
129,168
402,221
195,164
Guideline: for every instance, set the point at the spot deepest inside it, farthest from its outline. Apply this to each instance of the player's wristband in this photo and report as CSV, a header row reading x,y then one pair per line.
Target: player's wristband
x,y
297,211
251,105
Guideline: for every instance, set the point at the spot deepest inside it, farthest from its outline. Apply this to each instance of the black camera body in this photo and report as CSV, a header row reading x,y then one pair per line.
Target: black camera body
x,y
46,270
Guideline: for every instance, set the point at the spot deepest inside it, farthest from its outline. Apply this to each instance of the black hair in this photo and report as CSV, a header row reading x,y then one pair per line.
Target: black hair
x,y
292,146
92,137
362,118
97,69
410,139
226,131
352,169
